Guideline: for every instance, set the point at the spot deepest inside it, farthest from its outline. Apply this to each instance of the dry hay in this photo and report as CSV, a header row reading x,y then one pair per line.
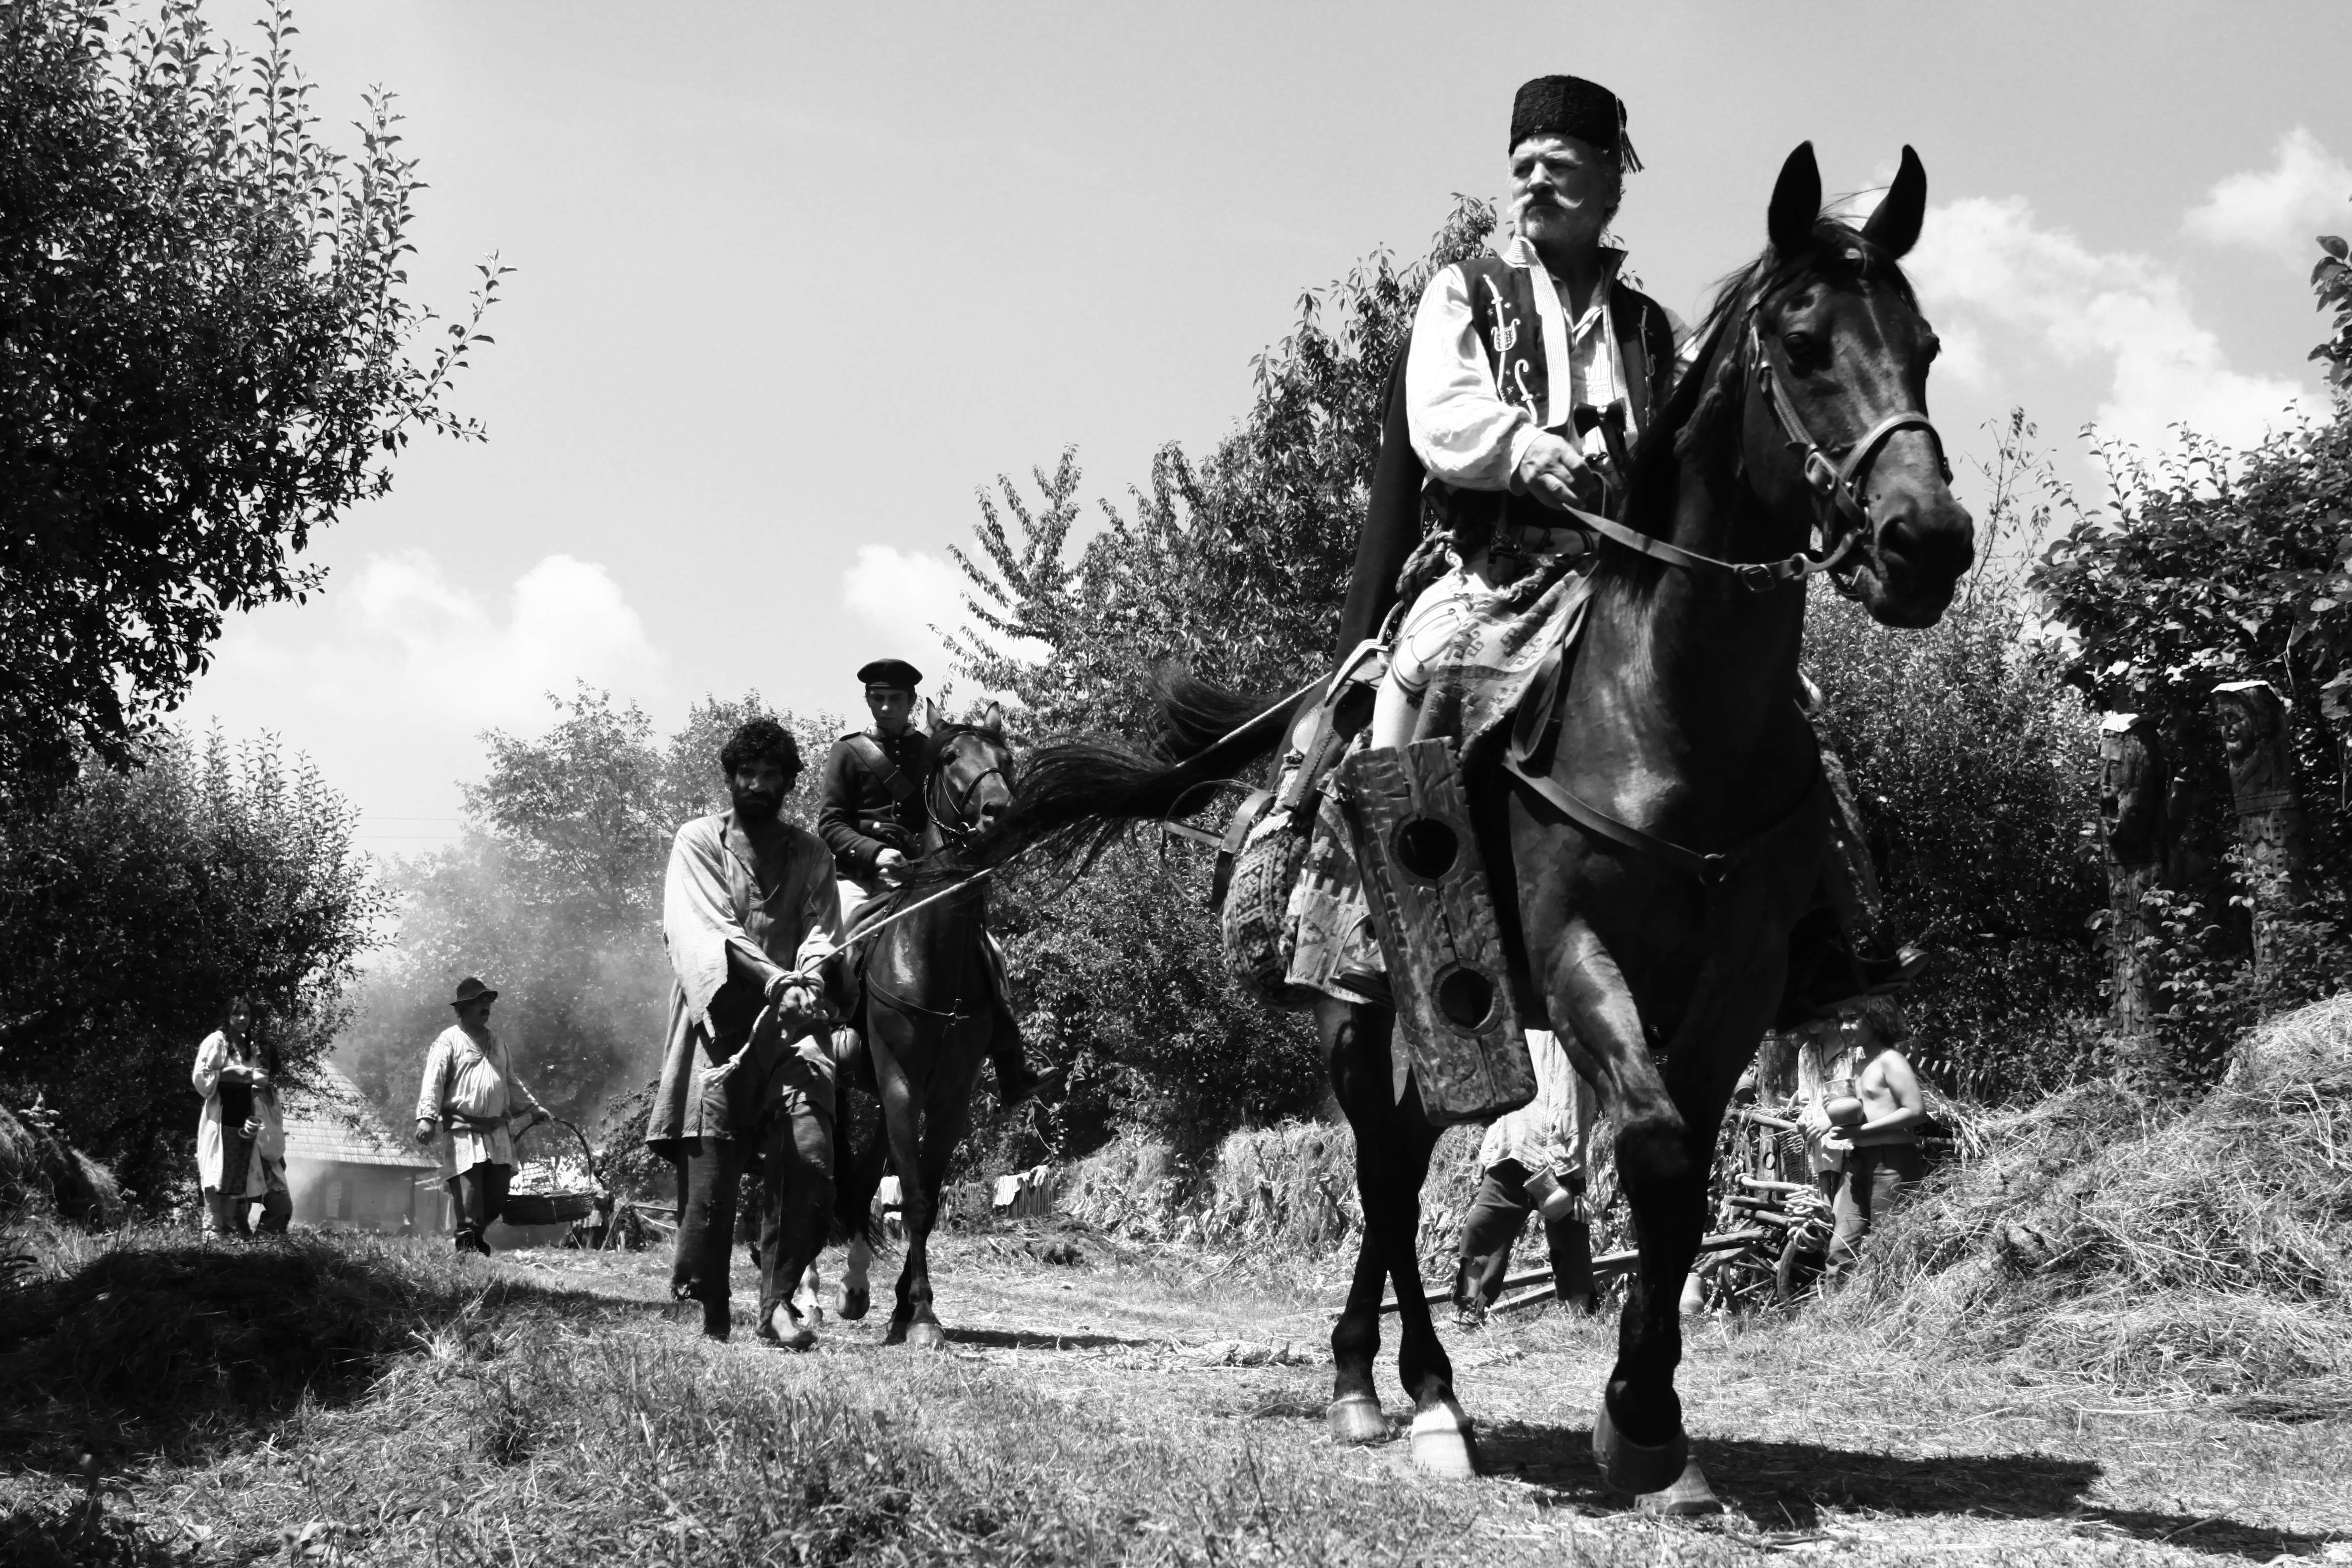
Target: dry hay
x,y
2153,1244
41,1177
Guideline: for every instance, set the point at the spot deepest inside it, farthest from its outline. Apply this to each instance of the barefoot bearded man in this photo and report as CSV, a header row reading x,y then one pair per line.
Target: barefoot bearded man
x,y
873,819
749,913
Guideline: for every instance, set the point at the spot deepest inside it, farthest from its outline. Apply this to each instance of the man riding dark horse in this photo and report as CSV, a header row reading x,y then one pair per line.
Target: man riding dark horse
x,y
1529,378
872,817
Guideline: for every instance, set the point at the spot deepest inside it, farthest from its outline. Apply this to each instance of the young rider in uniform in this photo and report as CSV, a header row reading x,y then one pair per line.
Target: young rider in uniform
x,y
873,816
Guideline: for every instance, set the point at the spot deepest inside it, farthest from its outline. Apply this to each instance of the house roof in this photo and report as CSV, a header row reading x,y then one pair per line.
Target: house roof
x,y
329,1121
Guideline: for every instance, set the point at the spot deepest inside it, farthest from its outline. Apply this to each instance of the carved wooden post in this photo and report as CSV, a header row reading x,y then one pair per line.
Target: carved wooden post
x,y
2134,776
2253,719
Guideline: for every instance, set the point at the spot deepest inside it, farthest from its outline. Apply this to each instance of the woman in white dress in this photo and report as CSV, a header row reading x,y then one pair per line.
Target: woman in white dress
x,y
239,1132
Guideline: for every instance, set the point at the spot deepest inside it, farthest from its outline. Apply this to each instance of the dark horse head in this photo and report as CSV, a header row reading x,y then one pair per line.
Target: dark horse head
x,y
1820,349
967,771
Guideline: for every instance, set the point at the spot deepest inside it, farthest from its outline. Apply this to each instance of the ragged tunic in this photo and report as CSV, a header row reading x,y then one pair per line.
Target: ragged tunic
x,y
211,1056
1549,1132
470,1088
711,901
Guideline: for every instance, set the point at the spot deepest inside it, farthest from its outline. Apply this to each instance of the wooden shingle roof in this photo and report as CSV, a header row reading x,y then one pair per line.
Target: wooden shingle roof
x,y
329,1121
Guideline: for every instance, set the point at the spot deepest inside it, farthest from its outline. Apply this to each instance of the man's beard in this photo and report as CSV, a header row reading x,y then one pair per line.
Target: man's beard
x,y
755,807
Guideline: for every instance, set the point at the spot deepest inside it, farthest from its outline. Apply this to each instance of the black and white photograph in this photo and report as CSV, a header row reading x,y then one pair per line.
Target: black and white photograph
x,y
1279,784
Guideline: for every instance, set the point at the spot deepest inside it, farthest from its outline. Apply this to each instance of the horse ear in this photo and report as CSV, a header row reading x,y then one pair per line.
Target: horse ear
x,y
1895,226
931,715
993,717
1796,202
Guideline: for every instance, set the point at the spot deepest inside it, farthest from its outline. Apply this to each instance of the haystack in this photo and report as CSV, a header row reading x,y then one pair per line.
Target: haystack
x,y
41,1175
2206,1245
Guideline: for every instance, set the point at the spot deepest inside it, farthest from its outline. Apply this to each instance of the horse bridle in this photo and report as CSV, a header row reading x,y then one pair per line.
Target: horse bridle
x,y
951,823
1834,481
1836,484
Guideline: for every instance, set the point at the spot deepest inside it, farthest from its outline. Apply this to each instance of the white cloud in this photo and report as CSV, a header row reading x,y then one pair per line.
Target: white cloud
x,y
407,637
903,594
387,679
1986,267
2305,192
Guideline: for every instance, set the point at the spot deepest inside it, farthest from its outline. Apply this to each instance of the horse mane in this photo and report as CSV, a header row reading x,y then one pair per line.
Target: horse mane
x,y
1707,399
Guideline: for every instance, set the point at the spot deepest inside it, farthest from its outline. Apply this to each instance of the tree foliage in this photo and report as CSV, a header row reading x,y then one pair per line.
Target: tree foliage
x,y
206,351
135,906
1236,565
1977,772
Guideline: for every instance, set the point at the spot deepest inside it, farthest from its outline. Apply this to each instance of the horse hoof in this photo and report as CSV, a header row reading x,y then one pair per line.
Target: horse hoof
x,y
1689,1495
1641,1469
854,1304
784,1331
1356,1418
1440,1442
926,1336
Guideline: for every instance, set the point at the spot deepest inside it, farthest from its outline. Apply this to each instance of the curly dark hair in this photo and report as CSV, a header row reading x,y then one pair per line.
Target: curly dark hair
x,y
755,739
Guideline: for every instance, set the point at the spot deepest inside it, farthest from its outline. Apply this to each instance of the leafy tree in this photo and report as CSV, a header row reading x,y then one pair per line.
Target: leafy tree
x,y
2212,566
135,906
206,351
1236,565
1977,772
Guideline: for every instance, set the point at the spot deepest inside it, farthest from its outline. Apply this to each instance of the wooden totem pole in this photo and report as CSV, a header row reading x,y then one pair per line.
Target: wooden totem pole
x,y
2134,775
2261,753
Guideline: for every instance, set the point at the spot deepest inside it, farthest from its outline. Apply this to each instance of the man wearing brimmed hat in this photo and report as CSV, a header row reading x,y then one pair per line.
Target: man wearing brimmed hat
x,y
872,818
471,1093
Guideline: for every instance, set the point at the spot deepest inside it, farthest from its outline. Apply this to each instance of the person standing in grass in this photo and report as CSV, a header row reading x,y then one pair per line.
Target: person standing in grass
x,y
1533,1162
470,1090
235,1082
750,911
1882,1153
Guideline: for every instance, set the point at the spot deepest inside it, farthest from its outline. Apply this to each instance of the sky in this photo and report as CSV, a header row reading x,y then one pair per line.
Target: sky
x,y
794,282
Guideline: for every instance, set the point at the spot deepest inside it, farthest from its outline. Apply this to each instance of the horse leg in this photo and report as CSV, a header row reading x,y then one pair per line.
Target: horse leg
x,y
899,1113
1392,1147
947,1111
1638,1436
1355,1413
861,1178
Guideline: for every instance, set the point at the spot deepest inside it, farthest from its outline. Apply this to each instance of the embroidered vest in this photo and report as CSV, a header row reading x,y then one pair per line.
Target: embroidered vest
x,y
1509,324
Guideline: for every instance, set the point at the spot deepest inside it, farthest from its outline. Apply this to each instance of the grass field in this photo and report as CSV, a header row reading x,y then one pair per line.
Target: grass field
x,y
1137,1405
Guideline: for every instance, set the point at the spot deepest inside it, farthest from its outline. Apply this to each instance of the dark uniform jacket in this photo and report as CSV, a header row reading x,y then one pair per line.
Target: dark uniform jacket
x,y
861,815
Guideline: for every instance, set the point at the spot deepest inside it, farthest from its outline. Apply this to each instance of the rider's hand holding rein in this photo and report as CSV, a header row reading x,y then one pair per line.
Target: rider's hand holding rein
x,y
889,867
1551,470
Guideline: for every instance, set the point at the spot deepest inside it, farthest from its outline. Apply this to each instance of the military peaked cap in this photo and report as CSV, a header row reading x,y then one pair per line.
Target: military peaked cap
x,y
891,672
1571,106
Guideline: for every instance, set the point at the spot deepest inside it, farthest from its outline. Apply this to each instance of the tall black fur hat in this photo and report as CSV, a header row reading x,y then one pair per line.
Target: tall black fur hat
x,y
1571,106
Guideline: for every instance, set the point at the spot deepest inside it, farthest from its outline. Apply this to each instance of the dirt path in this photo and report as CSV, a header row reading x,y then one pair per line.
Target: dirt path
x,y
1158,1407
1850,1452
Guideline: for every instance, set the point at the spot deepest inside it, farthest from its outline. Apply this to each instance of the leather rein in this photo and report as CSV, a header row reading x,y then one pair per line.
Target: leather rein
x,y
1834,474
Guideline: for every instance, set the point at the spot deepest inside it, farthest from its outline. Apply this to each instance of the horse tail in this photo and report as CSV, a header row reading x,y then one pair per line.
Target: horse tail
x,y
1079,794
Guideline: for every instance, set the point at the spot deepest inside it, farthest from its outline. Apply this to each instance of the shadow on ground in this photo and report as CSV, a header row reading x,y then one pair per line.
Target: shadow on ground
x,y
1783,1485
157,1341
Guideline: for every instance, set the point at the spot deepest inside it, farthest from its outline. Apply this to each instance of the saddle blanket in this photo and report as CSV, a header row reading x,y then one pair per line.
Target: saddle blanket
x,y
1470,653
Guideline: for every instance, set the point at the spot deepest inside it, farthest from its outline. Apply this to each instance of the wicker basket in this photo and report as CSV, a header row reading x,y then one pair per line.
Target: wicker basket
x,y
548,1208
